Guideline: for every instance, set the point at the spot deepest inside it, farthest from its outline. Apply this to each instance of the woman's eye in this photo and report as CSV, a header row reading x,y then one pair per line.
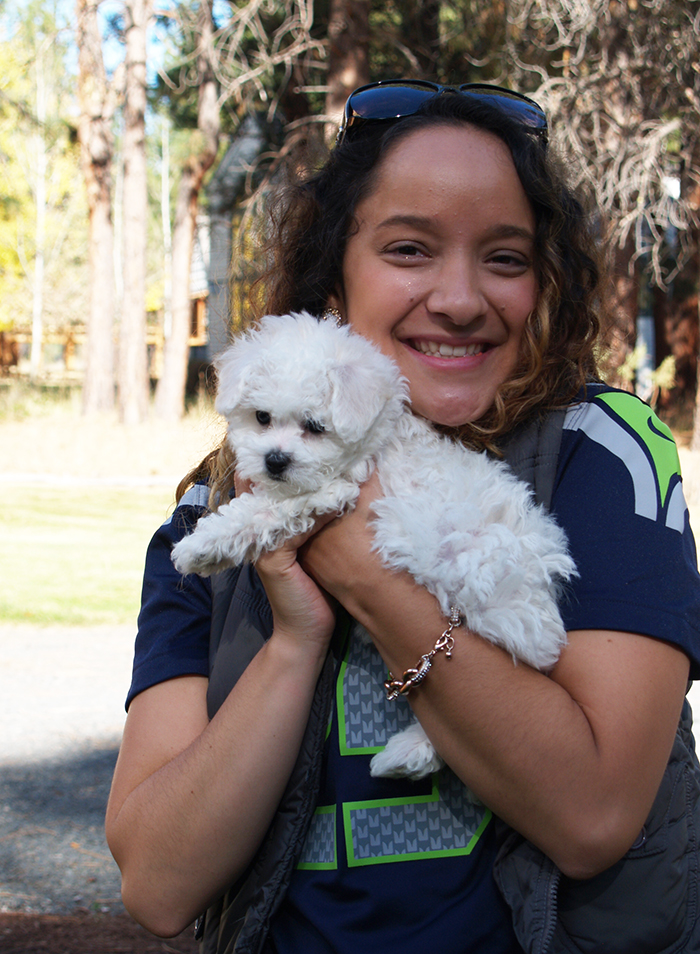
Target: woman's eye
x,y
314,427
407,250
263,418
510,260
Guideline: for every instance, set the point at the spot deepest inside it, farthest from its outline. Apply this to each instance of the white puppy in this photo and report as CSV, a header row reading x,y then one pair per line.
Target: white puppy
x,y
309,407
312,410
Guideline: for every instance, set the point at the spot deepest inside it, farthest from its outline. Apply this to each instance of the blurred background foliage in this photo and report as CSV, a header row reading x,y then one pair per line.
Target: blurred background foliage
x,y
620,80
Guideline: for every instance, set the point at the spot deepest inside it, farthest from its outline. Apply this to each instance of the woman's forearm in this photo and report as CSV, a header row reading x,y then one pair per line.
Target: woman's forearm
x,y
192,800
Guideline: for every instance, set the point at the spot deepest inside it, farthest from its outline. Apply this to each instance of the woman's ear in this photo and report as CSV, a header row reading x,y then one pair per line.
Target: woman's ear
x,y
336,300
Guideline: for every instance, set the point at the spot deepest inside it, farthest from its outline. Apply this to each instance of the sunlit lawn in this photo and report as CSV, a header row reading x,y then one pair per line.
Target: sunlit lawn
x,y
75,555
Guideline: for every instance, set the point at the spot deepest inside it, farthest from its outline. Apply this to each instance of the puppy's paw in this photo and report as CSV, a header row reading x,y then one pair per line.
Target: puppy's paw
x,y
193,555
408,754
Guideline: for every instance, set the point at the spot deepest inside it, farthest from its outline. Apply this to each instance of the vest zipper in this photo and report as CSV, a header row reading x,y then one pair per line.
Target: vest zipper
x,y
550,911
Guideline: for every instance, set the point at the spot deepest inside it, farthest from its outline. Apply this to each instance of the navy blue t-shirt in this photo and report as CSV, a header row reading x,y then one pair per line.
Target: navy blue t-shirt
x,y
391,862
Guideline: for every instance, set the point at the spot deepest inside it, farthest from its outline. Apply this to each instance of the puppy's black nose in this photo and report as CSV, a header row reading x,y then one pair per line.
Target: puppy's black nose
x,y
276,463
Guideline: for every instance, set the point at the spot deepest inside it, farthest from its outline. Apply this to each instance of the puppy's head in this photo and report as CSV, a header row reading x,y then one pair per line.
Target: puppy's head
x,y
305,400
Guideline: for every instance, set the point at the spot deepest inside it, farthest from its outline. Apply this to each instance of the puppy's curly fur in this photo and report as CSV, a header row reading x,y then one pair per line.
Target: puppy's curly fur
x,y
312,410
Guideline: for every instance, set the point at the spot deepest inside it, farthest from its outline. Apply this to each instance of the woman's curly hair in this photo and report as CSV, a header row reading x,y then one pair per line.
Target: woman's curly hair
x,y
312,219
315,218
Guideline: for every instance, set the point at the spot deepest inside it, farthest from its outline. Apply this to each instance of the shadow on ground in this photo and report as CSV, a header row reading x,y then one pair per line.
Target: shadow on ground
x,y
53,854
59,887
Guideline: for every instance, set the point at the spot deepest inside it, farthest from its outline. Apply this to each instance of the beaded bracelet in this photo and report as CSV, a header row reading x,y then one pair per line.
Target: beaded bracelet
x,y
414,677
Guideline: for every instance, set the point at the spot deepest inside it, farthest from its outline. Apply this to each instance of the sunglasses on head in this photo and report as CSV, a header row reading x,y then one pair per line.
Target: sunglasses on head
x,y
389,100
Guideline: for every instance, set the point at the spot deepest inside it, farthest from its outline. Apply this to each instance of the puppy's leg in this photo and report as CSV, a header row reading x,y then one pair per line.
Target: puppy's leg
x,y
408,754
237,533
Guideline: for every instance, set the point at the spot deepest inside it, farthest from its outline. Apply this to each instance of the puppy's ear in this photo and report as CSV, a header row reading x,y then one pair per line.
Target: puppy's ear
x,y
360,391
233,370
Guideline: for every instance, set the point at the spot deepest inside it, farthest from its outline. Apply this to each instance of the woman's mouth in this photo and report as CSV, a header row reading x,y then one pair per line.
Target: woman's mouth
x,y
442,350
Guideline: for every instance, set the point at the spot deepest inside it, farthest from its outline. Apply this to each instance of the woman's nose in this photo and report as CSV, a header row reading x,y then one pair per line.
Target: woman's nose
x,y
457,292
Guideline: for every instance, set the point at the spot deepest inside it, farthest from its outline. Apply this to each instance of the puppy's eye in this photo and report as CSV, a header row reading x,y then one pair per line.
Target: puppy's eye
x,y
314,427
263,418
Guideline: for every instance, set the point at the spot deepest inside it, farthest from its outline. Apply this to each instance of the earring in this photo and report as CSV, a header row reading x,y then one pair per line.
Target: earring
x,y
333,313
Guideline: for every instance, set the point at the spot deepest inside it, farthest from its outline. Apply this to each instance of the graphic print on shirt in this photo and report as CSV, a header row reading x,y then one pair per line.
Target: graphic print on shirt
x,y
443,822
629,429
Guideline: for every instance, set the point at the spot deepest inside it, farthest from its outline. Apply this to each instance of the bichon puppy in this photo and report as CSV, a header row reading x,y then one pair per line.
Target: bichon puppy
x,y
312,411
309,407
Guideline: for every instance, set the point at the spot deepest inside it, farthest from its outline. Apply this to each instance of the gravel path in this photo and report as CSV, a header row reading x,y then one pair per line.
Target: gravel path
x,y
63,693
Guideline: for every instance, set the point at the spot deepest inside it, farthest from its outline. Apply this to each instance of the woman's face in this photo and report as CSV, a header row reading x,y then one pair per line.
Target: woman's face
x,y
440,273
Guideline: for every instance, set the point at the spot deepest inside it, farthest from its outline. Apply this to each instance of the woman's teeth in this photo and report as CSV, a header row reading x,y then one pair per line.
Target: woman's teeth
x,y
448,351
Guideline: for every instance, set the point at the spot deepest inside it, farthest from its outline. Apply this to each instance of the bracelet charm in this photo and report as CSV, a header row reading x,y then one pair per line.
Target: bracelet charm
x,y
414,677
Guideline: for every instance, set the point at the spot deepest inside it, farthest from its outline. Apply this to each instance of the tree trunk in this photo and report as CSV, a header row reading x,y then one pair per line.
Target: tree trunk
x,y
97,146
40,168
622,307
695,440
694,201
348,56
170,394
133,361
422,20
167,228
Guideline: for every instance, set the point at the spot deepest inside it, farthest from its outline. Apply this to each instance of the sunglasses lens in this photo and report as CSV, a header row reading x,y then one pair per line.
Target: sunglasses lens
x,y
517,107
388,102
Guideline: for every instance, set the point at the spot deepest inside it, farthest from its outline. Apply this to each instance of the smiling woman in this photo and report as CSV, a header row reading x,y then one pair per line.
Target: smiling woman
x,y
441,230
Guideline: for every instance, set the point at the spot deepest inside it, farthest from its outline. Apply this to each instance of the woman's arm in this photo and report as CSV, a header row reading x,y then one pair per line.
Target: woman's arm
x,y
191,799
572,761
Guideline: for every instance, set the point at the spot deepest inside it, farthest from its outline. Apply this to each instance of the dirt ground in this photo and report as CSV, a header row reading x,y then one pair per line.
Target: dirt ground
x,y
84,934
59,886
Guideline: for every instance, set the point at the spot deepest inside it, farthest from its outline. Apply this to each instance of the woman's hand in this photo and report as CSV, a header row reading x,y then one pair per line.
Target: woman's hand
x,y
339,555
301,610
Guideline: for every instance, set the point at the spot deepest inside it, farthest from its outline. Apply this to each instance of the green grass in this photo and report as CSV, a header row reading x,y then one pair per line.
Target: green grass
x,y
75,556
